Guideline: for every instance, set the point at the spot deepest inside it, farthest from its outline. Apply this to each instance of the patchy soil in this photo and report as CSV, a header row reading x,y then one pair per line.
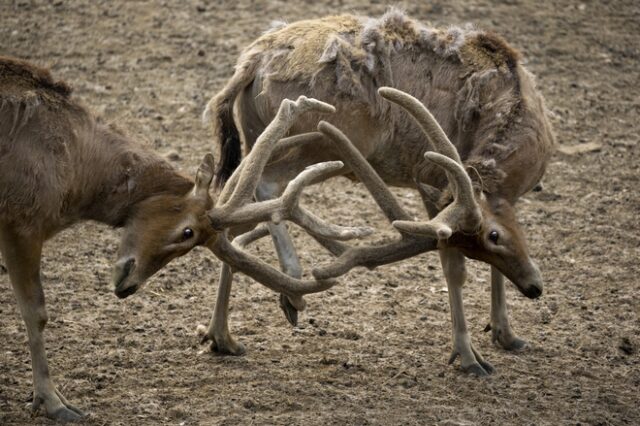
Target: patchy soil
x,y
374,349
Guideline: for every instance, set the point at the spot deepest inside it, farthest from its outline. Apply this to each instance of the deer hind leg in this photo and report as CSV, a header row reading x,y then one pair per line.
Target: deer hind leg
x,y
22,257
501,331
455,274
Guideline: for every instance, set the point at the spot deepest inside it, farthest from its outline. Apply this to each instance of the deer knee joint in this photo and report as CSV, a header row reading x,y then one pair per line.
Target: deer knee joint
x,y
40,318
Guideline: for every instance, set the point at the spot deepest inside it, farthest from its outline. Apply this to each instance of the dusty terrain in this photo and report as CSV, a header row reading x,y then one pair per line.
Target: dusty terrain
x,y
374,349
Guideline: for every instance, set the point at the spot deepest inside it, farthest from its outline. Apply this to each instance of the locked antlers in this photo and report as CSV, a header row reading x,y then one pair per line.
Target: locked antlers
x,y
235,207
235,204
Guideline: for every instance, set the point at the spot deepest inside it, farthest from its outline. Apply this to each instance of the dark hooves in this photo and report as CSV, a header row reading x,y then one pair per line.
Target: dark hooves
x,y
479,369
515,345
490,369
290,312
506,341
66,415
237,349
476,370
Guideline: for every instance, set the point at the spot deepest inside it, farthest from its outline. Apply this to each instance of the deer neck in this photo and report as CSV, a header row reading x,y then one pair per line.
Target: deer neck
x,y
119,173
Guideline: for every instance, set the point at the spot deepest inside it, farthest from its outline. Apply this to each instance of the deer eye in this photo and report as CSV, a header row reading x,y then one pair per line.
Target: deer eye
x,y
187,233
493,236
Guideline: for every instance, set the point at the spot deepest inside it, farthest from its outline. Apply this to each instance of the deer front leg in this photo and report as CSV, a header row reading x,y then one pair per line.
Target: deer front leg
x,y
218,331
501,331
453,265
22,257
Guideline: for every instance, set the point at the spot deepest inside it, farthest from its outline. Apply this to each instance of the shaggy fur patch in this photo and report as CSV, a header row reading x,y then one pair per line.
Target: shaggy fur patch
x,y
353,48
15,72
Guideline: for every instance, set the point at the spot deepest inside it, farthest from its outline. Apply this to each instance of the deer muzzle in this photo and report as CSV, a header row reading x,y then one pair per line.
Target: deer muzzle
x,y
531,284
121,272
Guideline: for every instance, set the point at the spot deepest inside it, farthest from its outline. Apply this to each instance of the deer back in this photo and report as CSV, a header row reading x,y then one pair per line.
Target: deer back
x,y
471,81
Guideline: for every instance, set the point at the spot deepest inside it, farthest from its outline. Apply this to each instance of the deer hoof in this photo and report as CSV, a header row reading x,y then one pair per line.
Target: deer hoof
x,y
56,407
222,346
290,311
515,345
477,370
490,369
507,341
477,367
227,346
66,415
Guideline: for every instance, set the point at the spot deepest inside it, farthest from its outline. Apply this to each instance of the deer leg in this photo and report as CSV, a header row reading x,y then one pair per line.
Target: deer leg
x,y
287,255
218,331
455,274
501,331
22,257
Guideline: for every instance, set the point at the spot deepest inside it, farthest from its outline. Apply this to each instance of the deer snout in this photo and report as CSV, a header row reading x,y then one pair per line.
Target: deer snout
x,y
121,271
533,291
533,287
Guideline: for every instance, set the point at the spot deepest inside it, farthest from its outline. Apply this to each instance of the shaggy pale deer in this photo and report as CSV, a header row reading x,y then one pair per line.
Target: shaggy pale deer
x,y
59,166
475,87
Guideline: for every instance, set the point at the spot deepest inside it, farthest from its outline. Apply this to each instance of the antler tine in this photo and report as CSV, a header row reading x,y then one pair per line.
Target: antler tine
x,y
247,238
319,228
286,208
251,172
425,119
282,147
374,256
263,272
464,212
275,210
457,175
365,173
296,141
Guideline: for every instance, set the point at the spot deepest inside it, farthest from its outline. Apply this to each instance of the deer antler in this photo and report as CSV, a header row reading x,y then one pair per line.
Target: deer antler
x,y
367,256
235,206
416,237
242,185
463,214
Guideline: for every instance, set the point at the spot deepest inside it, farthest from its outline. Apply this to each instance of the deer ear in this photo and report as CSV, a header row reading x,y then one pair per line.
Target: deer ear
x,y
204,176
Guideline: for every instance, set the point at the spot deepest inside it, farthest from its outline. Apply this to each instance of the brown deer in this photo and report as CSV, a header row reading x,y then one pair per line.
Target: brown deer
x,y
59,166
476,88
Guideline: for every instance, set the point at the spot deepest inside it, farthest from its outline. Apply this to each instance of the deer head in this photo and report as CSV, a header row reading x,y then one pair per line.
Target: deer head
x,y
500,242
162,228
482,227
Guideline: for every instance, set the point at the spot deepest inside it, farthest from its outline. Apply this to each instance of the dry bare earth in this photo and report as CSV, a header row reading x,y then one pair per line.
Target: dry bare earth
x,y
374,349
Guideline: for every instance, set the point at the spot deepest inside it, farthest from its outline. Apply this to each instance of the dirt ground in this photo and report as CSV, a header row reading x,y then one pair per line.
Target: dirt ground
x,y
373,350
